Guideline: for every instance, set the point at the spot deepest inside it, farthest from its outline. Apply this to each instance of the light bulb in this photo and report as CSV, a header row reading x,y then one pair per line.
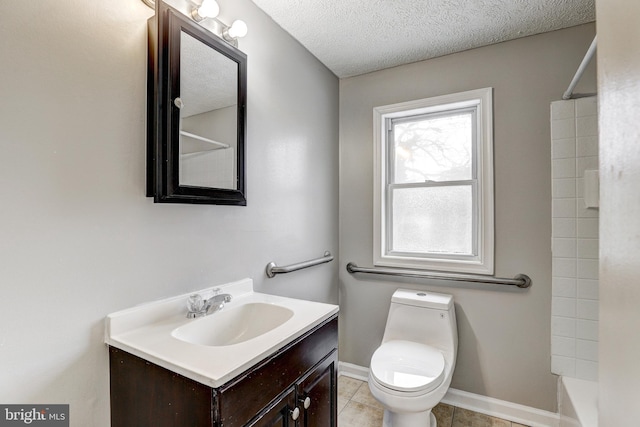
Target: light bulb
x,y
237,29
208,9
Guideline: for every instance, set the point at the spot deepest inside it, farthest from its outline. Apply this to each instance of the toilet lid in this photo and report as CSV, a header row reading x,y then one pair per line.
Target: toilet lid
x,y
407,366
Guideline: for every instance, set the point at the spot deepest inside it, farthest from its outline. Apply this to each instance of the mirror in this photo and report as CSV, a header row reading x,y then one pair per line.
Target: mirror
x,y
208,122
196,125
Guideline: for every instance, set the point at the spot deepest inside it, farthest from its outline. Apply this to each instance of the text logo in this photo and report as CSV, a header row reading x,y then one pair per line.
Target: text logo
x,y
34,415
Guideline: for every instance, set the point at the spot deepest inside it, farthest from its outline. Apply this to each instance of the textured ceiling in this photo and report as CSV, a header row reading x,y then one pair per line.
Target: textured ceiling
x,y
354,37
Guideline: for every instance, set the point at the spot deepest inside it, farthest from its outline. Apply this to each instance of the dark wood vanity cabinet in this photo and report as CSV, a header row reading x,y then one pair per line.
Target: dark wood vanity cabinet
x,y
313,396
279,414
320,388
271,393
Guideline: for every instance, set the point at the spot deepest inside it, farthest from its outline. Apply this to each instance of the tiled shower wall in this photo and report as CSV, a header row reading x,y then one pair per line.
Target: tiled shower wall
x,y
574,323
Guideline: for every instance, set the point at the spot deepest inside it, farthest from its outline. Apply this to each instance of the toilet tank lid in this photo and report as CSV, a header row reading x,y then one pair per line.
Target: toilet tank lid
x,y
422,299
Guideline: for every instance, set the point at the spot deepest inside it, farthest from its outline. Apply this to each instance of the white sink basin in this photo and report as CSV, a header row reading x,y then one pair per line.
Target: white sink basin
x,y
216,348
233,325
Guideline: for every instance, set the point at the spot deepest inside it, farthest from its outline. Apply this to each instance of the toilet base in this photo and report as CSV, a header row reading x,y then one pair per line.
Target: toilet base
x,y
410,419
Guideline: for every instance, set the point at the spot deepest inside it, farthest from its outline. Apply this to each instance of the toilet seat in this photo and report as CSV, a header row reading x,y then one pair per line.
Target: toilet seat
x,y
407,366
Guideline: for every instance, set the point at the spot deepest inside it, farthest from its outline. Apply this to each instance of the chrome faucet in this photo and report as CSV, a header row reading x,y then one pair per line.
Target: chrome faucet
x,y
197,307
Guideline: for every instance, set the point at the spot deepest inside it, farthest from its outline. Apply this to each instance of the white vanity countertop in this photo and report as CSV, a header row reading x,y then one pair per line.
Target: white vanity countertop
x,y
146,331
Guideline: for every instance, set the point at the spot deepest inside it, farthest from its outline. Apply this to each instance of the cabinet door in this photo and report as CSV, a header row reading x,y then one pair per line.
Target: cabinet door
x,y
254,390
320,389
281,413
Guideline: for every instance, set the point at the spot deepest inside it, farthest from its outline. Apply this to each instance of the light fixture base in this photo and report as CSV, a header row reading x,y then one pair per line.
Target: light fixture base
x,y
195,15
226,37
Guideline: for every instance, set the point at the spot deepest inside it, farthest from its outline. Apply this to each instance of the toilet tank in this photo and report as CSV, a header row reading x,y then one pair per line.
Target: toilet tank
x,y
423,317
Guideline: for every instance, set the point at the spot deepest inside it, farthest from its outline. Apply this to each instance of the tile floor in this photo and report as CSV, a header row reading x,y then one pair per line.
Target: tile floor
x,y
357,408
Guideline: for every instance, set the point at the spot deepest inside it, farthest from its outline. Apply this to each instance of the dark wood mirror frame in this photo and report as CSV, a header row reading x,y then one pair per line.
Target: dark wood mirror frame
x,y
163,117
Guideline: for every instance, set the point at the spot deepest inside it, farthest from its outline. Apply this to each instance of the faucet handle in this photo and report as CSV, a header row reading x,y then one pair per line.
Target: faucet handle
x,y
195,303
216,291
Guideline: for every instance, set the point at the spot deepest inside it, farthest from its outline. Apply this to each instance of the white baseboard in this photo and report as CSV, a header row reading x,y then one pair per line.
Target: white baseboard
x,y
353,371
501,409
475,402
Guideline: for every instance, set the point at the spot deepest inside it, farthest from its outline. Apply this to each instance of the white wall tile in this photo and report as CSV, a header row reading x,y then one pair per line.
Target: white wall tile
x,y
563,148
587,146
564,168
582,164
563,346
586,126
588,248
563,326
564,208
563,188
575,233
564,248
563,128
563,109
564,227
581,209
588,289
587,268
587,106
586,309
586,329
588,228
580,187
563,366
564,287
587,350
586,370
565,307
564,267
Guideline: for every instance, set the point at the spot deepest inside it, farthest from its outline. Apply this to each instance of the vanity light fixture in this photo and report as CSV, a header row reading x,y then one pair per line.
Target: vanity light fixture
x,y
238,29
208,9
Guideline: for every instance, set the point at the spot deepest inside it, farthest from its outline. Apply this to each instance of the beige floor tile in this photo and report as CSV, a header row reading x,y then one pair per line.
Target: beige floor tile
x,y
466,418
342,402
364,396
358,408
348,386
444,414
356,414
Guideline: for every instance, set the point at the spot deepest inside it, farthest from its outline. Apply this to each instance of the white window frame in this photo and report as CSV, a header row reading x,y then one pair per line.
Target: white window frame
x,y
483,261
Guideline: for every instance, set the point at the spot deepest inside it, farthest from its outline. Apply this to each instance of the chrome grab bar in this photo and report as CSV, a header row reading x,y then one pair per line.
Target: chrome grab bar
x,y
521,280
273,269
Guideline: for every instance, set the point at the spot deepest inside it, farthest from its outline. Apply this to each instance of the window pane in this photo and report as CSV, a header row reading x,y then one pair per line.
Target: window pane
x,y
437,148
437,220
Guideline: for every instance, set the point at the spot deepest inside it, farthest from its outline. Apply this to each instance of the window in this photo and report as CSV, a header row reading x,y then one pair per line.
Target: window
x,y
433,199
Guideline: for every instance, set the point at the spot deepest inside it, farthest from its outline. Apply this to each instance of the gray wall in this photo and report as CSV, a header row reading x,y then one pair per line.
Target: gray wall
x,y
504,334
619,97
78,237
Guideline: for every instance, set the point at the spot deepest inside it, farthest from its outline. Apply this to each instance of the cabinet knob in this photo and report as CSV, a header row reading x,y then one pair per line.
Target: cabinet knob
x,y
295,413
306,402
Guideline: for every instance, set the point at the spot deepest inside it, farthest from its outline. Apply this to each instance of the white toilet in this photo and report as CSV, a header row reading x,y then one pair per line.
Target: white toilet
x,y
411,370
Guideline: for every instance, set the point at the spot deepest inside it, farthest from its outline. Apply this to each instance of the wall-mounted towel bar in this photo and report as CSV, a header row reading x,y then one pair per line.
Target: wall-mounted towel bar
x,y
521,280
273,269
